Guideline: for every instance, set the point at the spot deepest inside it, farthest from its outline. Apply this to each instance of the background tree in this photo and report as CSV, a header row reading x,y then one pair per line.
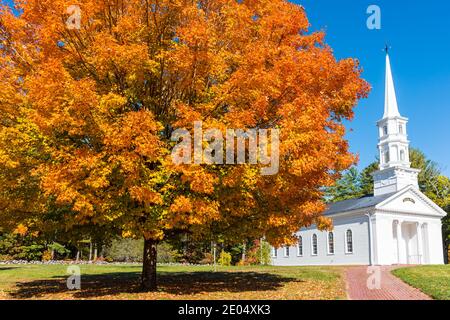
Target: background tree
x,y
104,99
347,187
366,179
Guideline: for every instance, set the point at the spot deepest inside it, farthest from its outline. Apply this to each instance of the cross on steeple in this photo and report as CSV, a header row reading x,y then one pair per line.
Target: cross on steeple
x,y
386,48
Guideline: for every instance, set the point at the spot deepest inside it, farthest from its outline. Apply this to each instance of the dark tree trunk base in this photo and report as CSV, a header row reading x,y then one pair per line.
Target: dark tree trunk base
x,y
148,279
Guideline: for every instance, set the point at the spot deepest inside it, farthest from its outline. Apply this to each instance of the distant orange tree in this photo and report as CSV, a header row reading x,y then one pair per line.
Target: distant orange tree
x,y
87,116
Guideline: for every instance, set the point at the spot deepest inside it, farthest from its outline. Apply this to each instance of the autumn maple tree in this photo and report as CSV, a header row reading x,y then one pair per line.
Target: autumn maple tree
x,y
87,116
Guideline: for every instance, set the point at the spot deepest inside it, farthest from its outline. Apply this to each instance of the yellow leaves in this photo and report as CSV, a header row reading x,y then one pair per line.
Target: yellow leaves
x,y
200,181
324,223
6,160
136,132
83,206
181,204
205,212
278,221
21,230
189,211
112,103
128,57
101,108
98,178
127,234
61,103
145,195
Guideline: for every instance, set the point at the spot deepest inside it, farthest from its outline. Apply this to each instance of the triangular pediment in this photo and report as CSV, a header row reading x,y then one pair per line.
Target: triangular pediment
x,y
411,200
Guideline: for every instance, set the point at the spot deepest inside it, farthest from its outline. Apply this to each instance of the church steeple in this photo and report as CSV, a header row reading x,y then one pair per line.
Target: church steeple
x,y
390,98
393,145
393,141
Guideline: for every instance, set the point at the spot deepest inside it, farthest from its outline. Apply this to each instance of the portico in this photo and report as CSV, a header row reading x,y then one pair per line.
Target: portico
x,y
409,242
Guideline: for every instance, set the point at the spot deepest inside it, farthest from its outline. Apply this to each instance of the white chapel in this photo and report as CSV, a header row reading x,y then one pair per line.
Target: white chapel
x,y
398,224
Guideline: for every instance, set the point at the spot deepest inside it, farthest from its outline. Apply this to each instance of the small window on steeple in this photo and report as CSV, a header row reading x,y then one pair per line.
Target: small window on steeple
x,y
400,129
387,158
385,130
402,155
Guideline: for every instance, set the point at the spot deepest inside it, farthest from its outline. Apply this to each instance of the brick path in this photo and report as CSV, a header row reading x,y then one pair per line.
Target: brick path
x,y
391,287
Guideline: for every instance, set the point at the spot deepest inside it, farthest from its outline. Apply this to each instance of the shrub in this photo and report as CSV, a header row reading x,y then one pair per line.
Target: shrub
x,y
125,250
58,249
30,253
19,247
47,255
6,257
130,250
207,259
225,258
166,254
255,256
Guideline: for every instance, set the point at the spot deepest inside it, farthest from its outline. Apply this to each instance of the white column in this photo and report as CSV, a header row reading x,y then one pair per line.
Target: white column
x,y
419,243
403,258
395,242
399,236
371,242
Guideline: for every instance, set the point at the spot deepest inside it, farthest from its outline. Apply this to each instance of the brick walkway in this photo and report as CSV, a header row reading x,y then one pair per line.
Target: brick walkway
x,y
391,287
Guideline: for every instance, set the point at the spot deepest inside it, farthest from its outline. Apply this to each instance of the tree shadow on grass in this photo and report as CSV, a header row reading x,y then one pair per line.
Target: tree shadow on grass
x,y
110,284
8,268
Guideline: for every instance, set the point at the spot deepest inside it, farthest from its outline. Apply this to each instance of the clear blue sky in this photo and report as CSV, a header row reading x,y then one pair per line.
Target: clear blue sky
x,y
419,34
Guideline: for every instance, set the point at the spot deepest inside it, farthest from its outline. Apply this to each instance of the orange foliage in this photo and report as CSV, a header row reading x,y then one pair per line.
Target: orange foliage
x,y
95,109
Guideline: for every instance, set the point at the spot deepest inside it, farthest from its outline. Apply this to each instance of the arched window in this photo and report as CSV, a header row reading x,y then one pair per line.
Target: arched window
x,y
387,158
286,251
349,241
300,246
402,155
330,243
394,154
274,252
400,129
314,245
385,130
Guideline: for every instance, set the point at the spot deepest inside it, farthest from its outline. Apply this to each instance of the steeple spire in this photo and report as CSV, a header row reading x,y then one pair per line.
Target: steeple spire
x,y
395,172
390,99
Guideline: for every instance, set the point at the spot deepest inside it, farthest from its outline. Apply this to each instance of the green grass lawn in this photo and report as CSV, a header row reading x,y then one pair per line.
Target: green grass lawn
x,y
432,280
175,282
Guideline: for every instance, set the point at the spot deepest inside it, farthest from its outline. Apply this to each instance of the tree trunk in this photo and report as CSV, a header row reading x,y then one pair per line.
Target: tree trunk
x,y
148,279
214,256
95,253
90,250
261,249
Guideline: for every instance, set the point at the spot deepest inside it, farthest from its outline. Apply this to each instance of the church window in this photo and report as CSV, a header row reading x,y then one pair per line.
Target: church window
x,y
402,155
387,158
349,241
274,252
330,243
385,130
286,251
314,244
400,129
300,246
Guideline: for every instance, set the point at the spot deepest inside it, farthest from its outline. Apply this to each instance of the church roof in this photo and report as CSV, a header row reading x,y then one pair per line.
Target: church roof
x,y
355,204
